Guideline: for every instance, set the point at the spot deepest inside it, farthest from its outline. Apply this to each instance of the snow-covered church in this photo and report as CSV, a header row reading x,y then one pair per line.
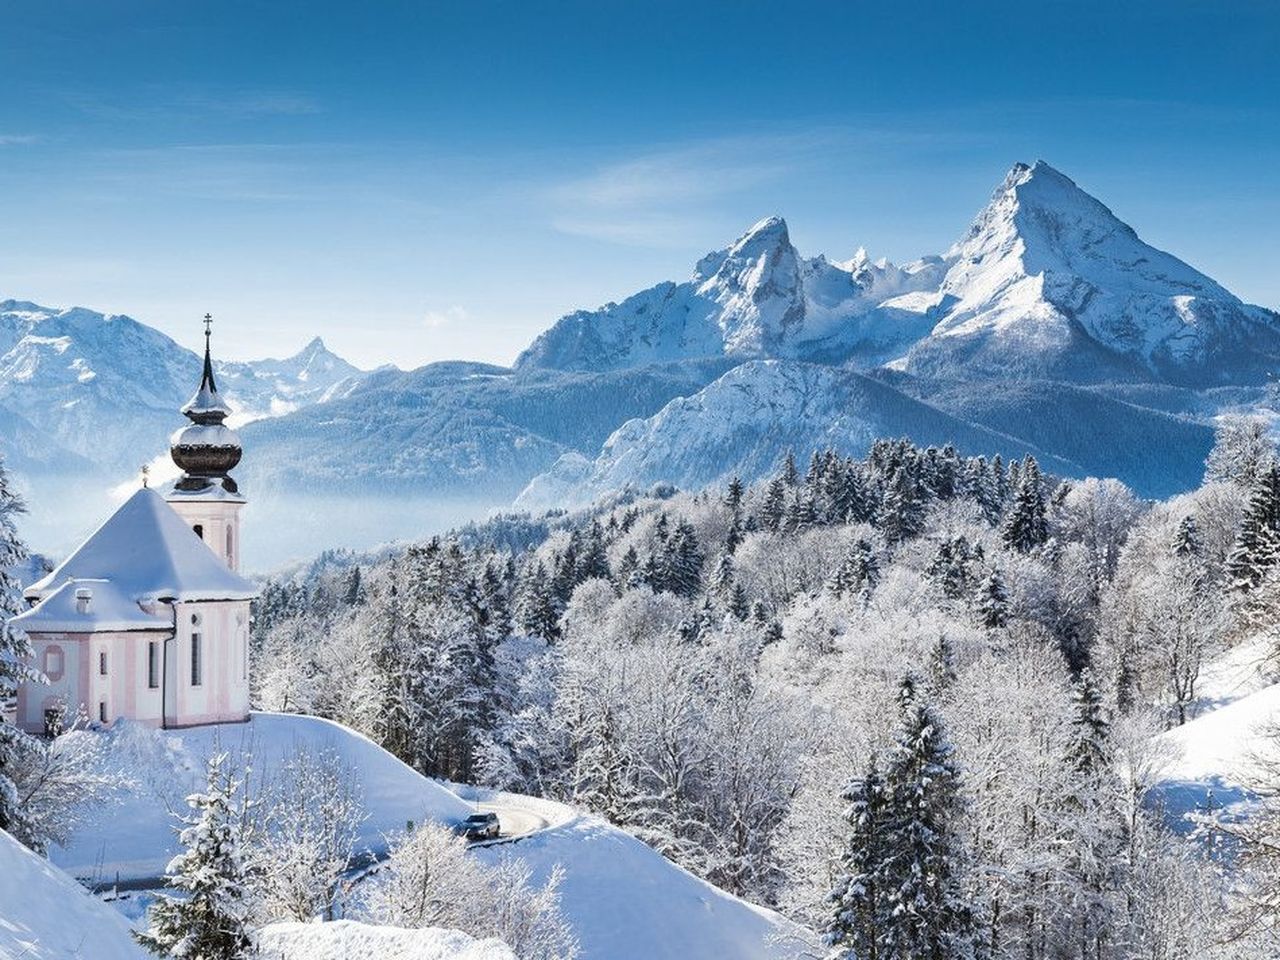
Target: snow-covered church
x,y
149,619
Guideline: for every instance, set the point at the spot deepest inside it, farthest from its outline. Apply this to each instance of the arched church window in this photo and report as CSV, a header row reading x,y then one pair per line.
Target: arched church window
x,y
229,545
199,529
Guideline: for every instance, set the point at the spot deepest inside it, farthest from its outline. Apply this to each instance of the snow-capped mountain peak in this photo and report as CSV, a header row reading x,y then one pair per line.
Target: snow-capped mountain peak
x,y
1048,279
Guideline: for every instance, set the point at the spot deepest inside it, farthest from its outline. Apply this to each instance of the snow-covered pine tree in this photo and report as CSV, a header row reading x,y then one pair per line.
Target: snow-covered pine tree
x,y
536,607
1257,546
1186,542
774,507
928,919
790,475
860,895
902,510
209,919
15,745
1027,526
857,573
1092,822
993,601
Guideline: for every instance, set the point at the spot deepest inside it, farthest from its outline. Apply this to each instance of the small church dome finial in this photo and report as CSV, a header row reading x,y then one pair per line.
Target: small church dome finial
x,y
206,450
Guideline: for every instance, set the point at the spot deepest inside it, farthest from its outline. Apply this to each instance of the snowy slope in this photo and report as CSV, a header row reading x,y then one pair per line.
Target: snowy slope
x,y
1234,740
349,940
1048,281
45,915
135,838
745,421
627,902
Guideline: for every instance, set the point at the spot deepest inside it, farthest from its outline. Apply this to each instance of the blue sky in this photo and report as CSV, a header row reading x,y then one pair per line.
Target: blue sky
x,y
420,181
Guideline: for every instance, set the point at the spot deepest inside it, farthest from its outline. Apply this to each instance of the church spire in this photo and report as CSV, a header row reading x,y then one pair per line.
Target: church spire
x,y
206,449
206,406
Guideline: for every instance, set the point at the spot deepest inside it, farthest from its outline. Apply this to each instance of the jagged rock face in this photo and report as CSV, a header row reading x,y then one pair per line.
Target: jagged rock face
x,y
756,298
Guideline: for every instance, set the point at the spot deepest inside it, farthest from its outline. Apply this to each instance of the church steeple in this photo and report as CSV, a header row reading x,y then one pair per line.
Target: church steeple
x,y
206,406
206,449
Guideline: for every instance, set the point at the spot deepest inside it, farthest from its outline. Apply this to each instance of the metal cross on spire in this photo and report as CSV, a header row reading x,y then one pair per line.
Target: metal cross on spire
x,y
208,324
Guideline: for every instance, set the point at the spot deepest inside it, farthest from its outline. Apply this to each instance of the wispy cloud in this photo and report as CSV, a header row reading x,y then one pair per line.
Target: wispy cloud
x,y
434,319
657,198
18,139
153,104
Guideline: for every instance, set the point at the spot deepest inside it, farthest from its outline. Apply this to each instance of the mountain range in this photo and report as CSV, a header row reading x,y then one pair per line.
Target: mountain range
x,y
1049,327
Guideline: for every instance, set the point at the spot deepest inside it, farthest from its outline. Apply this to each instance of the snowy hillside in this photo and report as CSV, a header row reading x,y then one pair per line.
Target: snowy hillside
x,y
627,902
48,916
624,900
135,838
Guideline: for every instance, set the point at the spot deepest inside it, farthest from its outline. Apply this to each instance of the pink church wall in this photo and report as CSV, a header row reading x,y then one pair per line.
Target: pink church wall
x,y
222,697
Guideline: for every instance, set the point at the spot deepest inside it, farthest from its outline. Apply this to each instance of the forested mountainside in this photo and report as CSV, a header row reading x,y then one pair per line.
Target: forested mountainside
x,y
913,685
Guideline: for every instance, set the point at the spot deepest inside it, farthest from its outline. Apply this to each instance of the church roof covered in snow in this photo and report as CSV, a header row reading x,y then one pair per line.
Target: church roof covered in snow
x,y
148,552
93,606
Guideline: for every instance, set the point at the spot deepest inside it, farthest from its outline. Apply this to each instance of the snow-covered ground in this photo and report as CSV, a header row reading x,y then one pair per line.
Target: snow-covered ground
x,y
1215,759
134,839
45,915
349,940
627,902
624,900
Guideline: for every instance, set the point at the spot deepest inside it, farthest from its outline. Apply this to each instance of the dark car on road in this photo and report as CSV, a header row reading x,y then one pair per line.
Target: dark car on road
x,y
480,826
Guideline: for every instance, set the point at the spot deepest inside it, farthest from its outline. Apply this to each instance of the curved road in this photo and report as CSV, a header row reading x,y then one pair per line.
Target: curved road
x,y
514,822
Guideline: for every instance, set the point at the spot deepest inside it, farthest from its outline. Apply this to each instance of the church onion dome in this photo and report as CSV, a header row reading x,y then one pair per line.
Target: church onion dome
x,y
206,449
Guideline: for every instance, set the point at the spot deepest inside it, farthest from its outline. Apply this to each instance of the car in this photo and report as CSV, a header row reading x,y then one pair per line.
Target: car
x,y
480,826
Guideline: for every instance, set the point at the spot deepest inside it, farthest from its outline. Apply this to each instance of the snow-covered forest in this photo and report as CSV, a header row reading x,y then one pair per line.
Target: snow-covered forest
x,y
912,701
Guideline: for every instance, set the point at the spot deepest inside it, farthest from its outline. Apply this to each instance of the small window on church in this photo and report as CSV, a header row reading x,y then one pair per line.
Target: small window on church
x,y
102,663
53,663
153,665
102,711
199,529
229,546
196,665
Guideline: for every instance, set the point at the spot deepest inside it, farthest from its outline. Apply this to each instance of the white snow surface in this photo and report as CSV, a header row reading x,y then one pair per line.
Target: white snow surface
x,y
628,902
351,940
45,915
135,838
1227,748
108,609
148,552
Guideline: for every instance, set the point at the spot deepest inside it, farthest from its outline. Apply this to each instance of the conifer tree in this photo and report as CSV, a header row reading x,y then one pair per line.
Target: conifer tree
x,y
860,895
209,921
858,572
927,917
15,745
1186,542
775,505
790,475
1257,544
993,602
902,511
1027,525
537,609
